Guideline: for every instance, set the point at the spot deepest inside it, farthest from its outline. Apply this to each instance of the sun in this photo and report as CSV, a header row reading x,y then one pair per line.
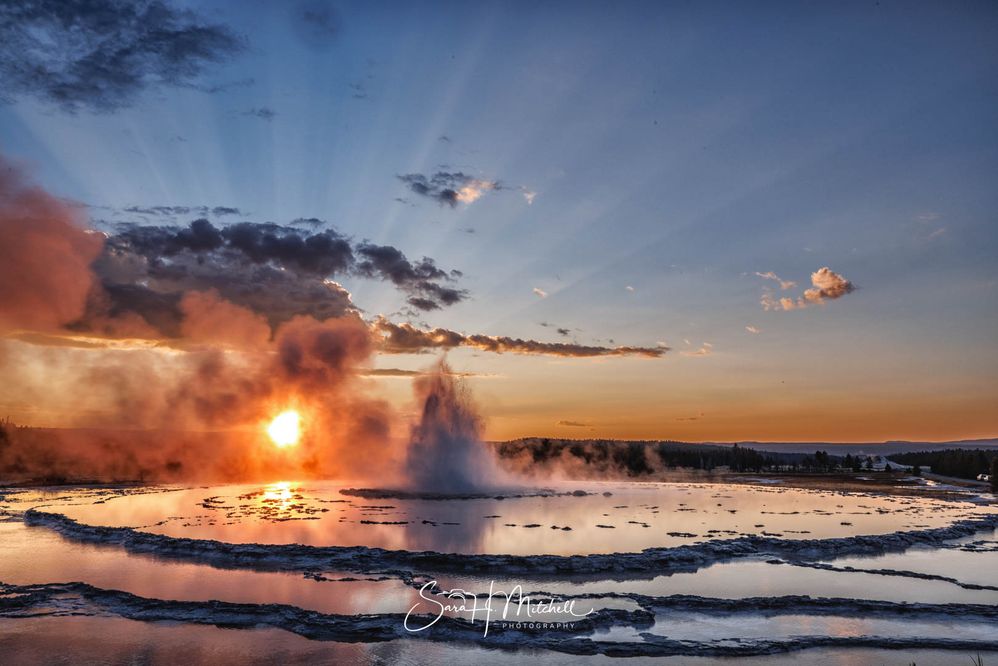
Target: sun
x,y
285,429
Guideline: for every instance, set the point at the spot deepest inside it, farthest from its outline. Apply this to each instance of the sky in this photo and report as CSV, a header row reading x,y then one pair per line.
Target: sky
x,y
698,221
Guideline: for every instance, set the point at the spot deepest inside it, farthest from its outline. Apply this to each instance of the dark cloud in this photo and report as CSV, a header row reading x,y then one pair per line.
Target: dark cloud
x,y
421,279
565,332
359,90
263,113
324,253
177,211
101,54
574,424
274,271
406,338
317,22
222,87
449,187
424,304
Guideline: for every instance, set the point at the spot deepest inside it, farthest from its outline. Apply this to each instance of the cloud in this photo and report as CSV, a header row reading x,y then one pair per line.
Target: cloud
x,y
449,188
565,332
629,288
263,113
826,285
752,329
219,211
706,349
359,90
408,339
221,87
173,212
784,284
574,424
317,22
101,54
275,271
540,293
421,280
399,372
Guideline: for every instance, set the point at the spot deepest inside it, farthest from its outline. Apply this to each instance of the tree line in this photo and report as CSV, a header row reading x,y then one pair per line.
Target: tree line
x,y
961,463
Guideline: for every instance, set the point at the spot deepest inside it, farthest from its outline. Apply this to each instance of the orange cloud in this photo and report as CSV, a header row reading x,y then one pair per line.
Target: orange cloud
x,y
826,285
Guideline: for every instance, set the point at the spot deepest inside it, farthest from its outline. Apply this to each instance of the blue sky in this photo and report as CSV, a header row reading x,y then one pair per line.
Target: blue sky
x,y
671,151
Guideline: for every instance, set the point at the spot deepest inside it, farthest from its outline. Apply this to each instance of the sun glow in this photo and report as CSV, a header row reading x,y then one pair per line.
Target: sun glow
x,y
285,429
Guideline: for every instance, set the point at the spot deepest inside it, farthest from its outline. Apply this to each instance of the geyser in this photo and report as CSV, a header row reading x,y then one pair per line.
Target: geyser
x,y
446,454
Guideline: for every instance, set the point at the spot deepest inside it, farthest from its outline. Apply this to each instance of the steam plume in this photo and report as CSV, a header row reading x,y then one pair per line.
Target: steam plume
x,y
446,454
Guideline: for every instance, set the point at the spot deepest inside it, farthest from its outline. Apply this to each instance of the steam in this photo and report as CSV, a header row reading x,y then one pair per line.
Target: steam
x,y
201,414
446,454
45,256
132,404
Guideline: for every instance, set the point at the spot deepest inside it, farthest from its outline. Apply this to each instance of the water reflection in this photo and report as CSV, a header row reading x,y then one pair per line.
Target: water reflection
x,y
608,518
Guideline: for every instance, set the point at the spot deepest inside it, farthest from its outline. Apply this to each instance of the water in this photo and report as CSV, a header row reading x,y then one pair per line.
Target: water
x,y
615,517
100,622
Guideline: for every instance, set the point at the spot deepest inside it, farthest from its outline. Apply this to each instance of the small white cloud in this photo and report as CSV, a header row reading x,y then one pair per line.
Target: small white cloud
x,y
705,350
629,288
540,293
752,329
937,233
529,196
784,284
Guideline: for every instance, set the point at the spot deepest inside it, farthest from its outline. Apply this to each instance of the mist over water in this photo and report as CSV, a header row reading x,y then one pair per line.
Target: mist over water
x,y
446,453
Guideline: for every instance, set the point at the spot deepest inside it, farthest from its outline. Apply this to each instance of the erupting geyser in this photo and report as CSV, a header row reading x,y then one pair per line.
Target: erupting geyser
x,y
446,454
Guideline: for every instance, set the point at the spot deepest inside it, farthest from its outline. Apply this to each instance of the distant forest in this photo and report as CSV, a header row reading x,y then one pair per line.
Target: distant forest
x,y
643,458
961,463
